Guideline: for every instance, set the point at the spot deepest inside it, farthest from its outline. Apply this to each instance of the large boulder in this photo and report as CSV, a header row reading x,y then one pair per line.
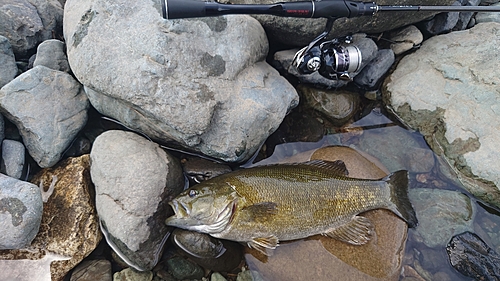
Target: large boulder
x,y
200,82
448,90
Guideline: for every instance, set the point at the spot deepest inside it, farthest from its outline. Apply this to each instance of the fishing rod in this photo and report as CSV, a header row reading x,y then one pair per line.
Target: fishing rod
x,y
330,58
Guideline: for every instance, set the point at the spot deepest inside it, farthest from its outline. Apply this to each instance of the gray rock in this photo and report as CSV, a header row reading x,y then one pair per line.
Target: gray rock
x,y
12,158
397,149
443,22
284,59
464,18
92,270
449,93
488,17
29,22
8,62
374,71
129,274
441,215
338,106
134,180
50,53
216,276
182,80
406,39
21,209
182,269
299,31
49,108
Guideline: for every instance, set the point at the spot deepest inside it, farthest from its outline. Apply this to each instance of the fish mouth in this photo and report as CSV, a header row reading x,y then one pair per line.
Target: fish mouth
x,y
180,210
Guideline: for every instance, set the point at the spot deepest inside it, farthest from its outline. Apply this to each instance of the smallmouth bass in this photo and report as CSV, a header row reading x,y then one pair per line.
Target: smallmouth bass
x,y
263,205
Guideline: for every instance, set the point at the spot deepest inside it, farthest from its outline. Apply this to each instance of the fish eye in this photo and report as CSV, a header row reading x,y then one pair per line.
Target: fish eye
x,y
193,193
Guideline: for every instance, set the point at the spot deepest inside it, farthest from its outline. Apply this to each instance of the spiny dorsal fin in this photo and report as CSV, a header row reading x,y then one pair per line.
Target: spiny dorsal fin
x,y
261,244
337,167
357,232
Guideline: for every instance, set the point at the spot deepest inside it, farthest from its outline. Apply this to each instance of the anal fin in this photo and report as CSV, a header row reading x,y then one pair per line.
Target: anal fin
x,y
261,244
358,231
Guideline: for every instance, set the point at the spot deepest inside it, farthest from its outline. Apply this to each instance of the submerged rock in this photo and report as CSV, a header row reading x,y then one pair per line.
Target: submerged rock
x,y
134,180
470,256
320,257
448,91
441,214
187,81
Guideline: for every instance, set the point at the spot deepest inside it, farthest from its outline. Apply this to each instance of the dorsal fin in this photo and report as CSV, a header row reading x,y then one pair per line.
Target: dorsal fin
x,y
337,167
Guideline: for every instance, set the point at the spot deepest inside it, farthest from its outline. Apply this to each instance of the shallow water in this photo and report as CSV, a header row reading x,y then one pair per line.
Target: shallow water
x,y
419,261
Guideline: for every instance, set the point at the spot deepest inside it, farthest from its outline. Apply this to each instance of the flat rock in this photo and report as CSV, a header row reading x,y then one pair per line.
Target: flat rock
x,y
69,230
49,108
320,257
448,91
441,215
186,81
134,180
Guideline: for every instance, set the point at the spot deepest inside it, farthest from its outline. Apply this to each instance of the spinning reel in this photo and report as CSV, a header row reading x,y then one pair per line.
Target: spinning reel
x,y
330,58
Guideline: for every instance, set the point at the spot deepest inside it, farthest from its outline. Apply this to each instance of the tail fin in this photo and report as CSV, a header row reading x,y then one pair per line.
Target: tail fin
x,y
398,185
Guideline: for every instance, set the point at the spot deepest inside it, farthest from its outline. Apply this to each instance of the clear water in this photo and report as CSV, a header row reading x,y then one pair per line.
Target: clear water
x,y
419,261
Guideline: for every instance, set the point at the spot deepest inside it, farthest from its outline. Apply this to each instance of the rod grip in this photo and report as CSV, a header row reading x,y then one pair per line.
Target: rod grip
x,y
181,9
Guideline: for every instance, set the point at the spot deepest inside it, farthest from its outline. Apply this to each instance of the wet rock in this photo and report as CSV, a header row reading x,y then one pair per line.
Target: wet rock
x,y
198,169
441,214
488,17
374,71
20,213
28,22
182,268
49,108
129,274
69,229
92,270
338,106
216,276
134,180
397,149
8,62
299,31
473,258
12,163
208,252
320,257
447,91
406,39
50,53
195,92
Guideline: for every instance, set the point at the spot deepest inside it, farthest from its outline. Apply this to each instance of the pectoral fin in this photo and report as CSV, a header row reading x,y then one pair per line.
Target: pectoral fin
x,y
357,232
262,243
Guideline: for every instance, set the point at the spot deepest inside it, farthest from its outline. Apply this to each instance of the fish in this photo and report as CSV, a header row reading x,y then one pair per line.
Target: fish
x,y
263,205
